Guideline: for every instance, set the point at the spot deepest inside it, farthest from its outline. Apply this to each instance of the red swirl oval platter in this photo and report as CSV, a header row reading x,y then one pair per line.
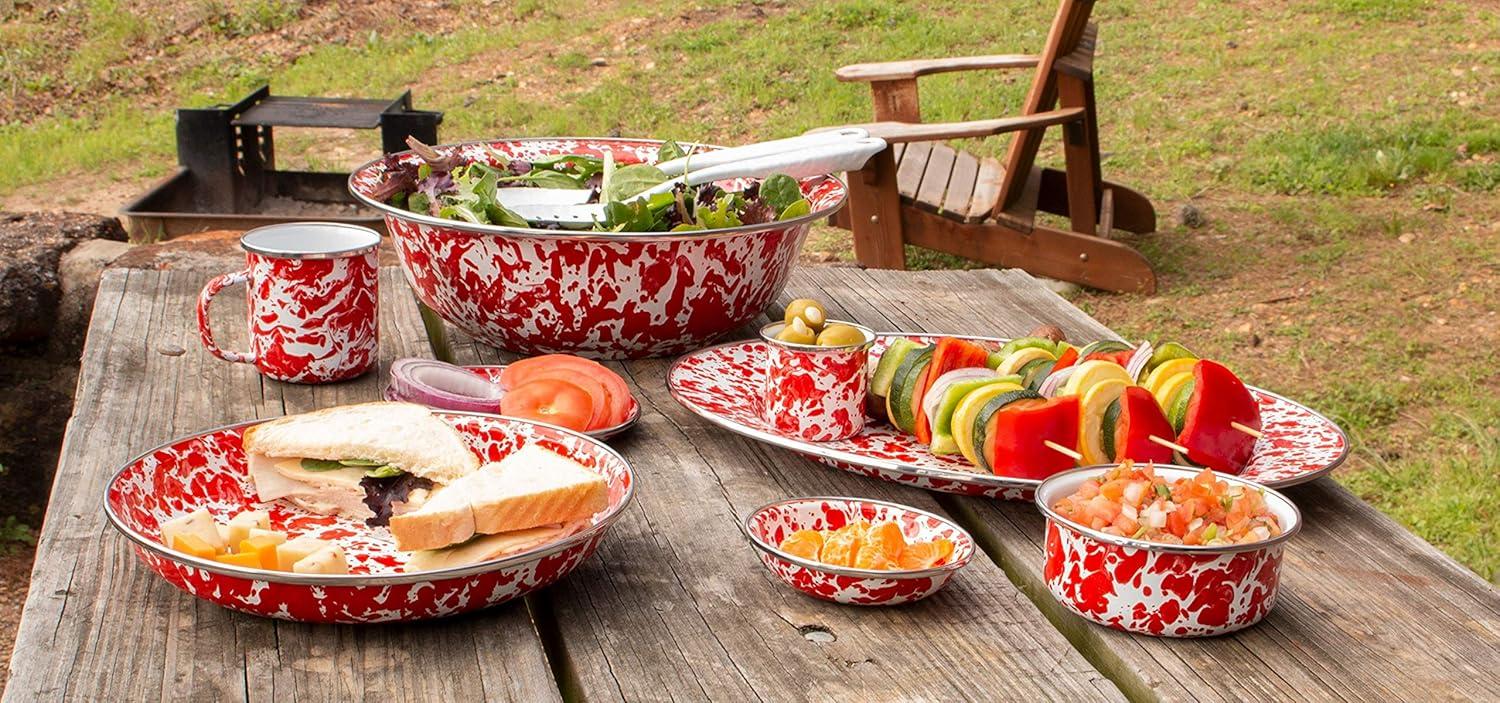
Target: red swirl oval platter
x,y
722,383
207,470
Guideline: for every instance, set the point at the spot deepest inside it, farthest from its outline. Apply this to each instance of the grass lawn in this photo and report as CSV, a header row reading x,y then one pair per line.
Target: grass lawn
x,y
1346,154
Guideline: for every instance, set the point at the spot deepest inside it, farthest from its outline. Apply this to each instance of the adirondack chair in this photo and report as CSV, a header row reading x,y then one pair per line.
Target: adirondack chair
x,y
926,193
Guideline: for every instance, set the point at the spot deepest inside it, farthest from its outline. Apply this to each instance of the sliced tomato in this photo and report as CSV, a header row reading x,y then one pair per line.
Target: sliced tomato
x,y
950,353
550,400
620,401
598,394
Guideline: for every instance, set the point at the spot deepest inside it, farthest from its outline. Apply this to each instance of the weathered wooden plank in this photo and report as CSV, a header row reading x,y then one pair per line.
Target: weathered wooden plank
x,y
676,605
935,178
986,190
961,185
1367,610
99,625
913,165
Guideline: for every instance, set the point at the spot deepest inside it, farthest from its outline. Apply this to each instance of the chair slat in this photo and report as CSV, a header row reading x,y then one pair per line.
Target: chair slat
x,y
961,185
986,189
913,164
935,178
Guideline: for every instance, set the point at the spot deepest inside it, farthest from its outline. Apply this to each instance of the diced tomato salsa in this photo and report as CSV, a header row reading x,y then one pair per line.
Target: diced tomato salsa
x,y
1130,500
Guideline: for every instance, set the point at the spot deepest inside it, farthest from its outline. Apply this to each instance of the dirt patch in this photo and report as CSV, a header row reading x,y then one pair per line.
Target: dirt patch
x,y
15,576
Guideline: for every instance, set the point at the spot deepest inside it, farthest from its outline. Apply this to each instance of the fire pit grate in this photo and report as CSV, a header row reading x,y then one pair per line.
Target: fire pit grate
x,y
227,177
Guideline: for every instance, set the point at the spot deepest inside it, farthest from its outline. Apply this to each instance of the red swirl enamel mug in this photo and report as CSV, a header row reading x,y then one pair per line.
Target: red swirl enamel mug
x,y
815,393
311,290
1167,590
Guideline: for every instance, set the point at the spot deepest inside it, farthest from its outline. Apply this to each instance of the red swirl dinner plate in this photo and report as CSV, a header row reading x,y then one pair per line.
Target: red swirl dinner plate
x,y
207,470
722,384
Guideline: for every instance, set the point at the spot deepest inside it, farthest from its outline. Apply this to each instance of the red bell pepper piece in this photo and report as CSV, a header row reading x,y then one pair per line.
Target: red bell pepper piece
x,y
1219,398
1119,357
1068,358
1014,440
949,354
1141,417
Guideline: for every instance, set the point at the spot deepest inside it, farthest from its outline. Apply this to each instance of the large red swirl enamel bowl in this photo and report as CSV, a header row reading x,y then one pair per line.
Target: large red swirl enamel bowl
x,y
1165,590
605,295
208,470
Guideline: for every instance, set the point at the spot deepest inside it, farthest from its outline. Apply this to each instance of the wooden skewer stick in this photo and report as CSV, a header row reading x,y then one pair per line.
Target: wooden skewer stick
x,y
1169,444
1060,449
1246,429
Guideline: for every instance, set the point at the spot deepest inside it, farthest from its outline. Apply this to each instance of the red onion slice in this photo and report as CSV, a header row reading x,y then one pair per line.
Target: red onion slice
x,y
939,388
1138,361
443,386
1055,381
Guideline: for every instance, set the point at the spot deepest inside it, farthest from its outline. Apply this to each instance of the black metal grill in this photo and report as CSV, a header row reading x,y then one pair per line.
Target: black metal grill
x,y
227,177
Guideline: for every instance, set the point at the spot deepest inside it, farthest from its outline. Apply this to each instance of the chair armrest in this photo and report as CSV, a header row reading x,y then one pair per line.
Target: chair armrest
x,y
907,70
902,132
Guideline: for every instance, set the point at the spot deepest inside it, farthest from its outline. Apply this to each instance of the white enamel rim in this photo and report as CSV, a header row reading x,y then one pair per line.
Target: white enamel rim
x,y
961,556
340,253
1056,486
816,449
601,433
351,580
585,235
771,329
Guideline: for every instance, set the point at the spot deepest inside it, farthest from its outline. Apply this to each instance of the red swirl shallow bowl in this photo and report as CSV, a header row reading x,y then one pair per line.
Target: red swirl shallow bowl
x,y
208,470
607,295
768,525
1161,589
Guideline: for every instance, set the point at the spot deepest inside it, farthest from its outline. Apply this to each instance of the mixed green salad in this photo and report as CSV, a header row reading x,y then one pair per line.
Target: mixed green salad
x,y
444,186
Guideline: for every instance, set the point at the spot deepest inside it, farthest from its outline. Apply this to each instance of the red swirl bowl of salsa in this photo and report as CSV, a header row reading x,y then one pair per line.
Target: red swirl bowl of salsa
x,y
1161,550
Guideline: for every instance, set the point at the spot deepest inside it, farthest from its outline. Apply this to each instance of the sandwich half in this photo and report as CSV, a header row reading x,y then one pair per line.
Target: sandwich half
x,y
532,487
368,461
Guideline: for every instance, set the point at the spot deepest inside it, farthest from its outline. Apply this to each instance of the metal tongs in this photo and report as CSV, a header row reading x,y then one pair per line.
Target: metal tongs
x,y
796,157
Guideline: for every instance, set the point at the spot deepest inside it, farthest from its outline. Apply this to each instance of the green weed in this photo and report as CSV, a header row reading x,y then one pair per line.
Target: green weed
x,y
13,532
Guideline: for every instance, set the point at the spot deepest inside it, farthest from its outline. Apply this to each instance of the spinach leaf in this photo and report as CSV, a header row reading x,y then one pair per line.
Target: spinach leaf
x,y
780,191
669,150
797,209
418,202
383,472
632,179
361,462
641,215
499,215
546,178
321,465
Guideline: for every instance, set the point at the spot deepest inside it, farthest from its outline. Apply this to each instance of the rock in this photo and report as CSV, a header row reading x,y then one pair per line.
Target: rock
x,y
1407,238
1189,216
1062,288
31,247
78,278
598,62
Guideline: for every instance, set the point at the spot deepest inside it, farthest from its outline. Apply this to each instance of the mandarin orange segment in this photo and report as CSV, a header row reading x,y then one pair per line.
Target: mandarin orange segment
x,y
841,547
872,556
918,555
807,544
889,538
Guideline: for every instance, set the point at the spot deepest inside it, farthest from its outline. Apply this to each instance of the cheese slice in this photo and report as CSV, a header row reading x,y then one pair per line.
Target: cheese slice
x,y
335,492
291,552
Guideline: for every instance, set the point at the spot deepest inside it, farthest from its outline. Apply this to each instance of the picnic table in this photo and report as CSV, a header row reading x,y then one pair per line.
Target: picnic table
x,y
675,605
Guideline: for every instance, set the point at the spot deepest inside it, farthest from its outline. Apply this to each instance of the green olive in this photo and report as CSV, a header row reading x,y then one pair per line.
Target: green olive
x,y
809,310
837,335
797,332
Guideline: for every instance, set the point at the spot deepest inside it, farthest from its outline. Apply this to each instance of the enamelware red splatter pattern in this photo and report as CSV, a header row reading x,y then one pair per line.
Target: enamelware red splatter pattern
x,y
814,393
208,470
768,525
606,295
1159,589
312,314
721,384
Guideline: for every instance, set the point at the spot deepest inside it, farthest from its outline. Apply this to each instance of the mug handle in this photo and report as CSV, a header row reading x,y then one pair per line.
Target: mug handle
x,y
205,333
